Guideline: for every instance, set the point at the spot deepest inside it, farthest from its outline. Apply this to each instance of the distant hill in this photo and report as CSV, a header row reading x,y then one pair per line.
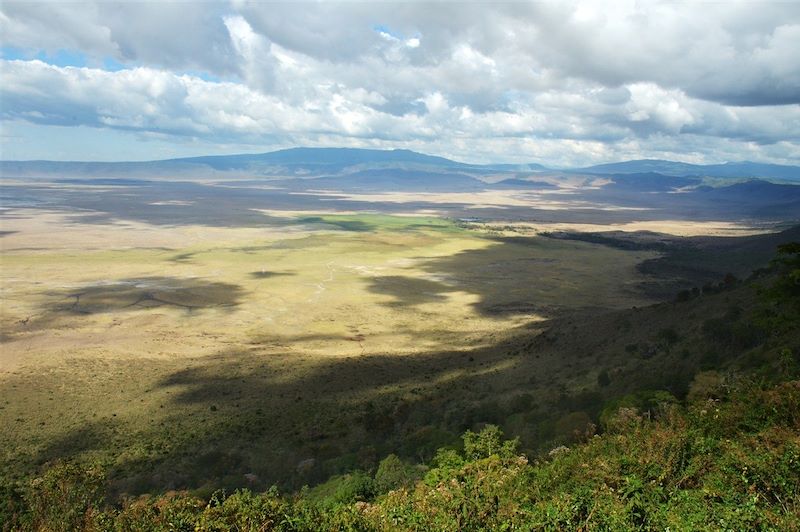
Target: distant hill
x,y
319,161
744,169
327,156
295,162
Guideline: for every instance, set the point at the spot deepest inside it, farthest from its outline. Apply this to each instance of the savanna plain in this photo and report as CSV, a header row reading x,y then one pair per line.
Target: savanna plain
x,y
140,344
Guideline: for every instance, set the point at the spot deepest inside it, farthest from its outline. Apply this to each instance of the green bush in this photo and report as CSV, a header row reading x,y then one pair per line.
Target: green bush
x,y
343,489
67,497
172,511
393,473
650,403
244,511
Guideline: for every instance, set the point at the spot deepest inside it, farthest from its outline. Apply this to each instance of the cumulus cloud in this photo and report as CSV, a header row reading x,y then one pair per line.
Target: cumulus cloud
x,y
564,83
743,54
173,35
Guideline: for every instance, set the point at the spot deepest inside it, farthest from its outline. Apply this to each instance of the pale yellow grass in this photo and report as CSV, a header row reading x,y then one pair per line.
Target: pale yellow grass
x,y
669,227
33,230
306,292
318,303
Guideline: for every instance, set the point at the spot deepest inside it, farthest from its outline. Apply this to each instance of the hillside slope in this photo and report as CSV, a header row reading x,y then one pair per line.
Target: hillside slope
x,y
697,404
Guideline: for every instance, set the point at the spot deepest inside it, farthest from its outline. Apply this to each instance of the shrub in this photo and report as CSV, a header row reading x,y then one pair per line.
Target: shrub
x,y
343,489
244,511
651,403
575,426
12,506
706,385
393,473
67,497
171,511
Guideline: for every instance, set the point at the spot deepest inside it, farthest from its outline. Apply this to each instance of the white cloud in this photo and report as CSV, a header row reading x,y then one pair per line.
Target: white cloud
x,y
516,81
254,53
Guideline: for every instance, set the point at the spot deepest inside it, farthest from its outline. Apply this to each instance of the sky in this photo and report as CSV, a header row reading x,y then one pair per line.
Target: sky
x,y
557,83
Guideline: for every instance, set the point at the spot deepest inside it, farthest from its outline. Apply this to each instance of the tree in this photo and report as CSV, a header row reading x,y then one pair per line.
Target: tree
x,y
393,473
488,442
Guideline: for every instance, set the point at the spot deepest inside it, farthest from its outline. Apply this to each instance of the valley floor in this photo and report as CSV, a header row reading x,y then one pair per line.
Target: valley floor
x,y
207,356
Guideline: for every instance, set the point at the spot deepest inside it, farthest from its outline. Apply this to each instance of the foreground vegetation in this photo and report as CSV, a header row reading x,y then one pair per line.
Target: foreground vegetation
x,y
728,460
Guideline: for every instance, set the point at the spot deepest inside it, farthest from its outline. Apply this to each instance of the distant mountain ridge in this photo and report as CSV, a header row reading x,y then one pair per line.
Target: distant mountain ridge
x,y
293,162
329,162
743,169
